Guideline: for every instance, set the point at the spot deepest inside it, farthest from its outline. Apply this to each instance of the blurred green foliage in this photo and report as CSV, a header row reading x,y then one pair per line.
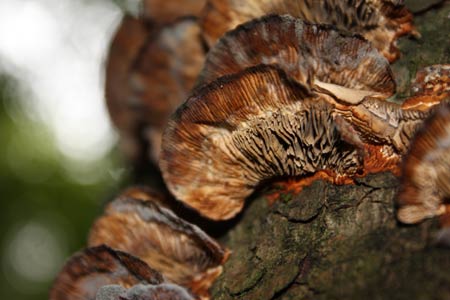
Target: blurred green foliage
x,y
45,210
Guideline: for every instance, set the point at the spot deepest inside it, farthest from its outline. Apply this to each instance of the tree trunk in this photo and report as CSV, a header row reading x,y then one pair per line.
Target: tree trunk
x,y
340,242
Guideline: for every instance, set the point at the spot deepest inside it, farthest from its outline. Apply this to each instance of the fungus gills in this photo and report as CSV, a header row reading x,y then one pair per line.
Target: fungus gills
x,y
259,124
246,128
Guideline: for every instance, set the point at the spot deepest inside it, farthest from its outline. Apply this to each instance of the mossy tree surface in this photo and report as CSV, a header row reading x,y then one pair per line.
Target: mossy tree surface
x,y
342,242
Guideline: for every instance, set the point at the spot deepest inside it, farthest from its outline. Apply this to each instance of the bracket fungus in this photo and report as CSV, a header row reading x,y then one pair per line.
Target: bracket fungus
x,y
259,124
125,46
246,128
142,226
298,99
148,76
88,270
379,21
320,56
426,173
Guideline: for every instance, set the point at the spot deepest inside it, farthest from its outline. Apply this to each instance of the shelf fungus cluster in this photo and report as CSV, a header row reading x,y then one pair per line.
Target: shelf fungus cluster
x,y
155,59
267,96
147,245
298,99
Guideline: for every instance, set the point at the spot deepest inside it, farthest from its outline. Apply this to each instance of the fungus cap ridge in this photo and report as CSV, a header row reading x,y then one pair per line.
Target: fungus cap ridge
x,y
306,52
379,21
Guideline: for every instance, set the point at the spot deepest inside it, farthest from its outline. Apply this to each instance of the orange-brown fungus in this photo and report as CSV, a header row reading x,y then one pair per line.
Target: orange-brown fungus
x,y
246,128
426,173
317,55
296,185
431,86
88,270
156,76
379,21
261,124
125,46
142,226
164,11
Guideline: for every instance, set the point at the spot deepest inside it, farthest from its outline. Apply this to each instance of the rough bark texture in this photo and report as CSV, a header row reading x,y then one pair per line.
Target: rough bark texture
x,y
341,242
433,23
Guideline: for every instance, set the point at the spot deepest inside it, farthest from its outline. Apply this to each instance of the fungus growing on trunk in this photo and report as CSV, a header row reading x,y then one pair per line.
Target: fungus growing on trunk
x,y
144,227
88,270
246,128
250,127
379,21
426,172
431,86
157,75
316,55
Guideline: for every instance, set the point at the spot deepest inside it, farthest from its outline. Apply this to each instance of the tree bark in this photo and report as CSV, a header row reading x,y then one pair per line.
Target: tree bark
x,y
340,242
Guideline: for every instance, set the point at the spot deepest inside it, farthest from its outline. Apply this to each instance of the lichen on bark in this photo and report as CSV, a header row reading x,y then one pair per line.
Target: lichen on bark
x,y
341,242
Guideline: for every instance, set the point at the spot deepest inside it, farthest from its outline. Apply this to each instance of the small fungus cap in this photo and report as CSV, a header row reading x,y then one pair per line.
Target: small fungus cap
x,y
430,87
142,226
125,47
246,128
426,171
145,87
379,21
88,270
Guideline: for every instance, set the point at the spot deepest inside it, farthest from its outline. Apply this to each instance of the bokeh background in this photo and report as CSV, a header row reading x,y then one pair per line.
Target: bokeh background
x,y
58,156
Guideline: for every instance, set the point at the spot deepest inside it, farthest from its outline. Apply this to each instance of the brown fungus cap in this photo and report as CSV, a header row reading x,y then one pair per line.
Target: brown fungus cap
x,y
164,11
143,226
430,87
346,65
125,47
426,171
88,270
246,128
146,87
379,21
